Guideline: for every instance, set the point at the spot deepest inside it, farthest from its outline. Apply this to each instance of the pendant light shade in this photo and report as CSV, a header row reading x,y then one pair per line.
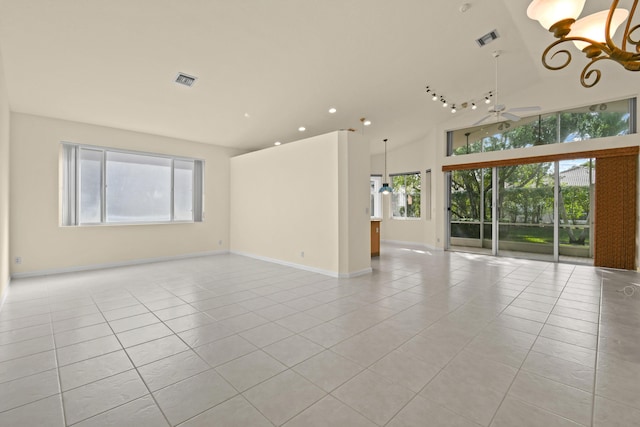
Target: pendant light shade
x,y
385,189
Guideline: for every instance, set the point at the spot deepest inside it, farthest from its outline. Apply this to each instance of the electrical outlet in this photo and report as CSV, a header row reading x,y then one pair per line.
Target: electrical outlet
x,y
302,254
220,242
18,260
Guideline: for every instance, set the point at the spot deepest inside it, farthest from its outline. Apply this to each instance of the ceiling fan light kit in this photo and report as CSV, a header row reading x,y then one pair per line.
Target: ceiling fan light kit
x,y
592,34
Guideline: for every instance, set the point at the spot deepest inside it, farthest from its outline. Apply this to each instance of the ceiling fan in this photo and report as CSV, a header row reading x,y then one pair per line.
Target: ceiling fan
x,y
500,111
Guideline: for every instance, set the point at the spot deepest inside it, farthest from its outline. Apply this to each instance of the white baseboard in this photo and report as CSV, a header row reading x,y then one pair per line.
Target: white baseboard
x,y
413,244
4,296
304,267
355,273
90,267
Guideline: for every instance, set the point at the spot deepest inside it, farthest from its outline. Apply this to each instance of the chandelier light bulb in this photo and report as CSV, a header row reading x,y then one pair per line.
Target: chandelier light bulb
x,y
548,12
434,97
487,100
473,106
453,109
593,26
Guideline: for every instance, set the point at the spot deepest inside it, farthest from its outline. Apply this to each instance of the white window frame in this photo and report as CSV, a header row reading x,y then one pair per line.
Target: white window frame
x,y
404,217
71,184
376,209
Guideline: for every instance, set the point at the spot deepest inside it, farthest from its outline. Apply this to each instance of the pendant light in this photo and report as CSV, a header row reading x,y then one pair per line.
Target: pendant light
x,y
385,189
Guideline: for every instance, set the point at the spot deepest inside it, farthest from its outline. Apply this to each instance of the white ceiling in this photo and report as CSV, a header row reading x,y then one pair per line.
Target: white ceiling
x,y
283,62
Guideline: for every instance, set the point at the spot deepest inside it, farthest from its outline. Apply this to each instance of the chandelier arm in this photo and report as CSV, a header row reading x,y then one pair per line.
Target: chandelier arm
x,y
628,29
595,49
607,25
562,51
630,39
587,72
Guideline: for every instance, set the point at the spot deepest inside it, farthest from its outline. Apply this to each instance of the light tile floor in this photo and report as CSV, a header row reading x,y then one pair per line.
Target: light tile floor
x,y
430,338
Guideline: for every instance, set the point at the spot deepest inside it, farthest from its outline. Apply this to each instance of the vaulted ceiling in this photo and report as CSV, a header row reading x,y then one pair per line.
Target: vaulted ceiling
x,y
264,67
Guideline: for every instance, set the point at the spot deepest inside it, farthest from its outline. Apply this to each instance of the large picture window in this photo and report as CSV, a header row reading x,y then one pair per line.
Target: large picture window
x,y
105,186
405,200
578,124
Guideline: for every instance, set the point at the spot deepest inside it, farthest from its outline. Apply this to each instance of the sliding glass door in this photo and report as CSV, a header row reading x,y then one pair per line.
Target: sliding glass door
x,y
540,210
576,208
470,224
526,210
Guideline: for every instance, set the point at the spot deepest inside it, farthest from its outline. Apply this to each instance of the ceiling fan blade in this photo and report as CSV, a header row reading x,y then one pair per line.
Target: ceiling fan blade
x,y
522,109
482,119
510,116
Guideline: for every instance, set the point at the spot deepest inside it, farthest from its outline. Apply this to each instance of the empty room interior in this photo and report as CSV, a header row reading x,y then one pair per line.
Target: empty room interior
x,y
319,213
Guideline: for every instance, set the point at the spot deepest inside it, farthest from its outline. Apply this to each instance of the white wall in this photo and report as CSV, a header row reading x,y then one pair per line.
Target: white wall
x,y
36,234
303,197
353,187
4,184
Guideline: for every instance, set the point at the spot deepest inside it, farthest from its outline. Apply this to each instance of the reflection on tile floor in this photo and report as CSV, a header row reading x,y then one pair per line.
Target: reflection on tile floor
x,y
430,338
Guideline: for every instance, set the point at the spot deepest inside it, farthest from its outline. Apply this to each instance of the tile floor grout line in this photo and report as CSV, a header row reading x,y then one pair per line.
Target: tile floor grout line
x,y
595,371
530,348
452,358
134,368
55,352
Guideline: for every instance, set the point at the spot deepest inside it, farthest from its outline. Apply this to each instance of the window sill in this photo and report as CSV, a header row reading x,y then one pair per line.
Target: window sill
x,y
400,218
128,224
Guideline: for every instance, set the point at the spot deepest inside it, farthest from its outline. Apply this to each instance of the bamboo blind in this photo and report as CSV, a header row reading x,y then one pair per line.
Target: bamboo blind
x,y
615,216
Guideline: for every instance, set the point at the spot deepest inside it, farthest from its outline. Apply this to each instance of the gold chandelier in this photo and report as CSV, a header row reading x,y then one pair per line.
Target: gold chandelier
x,y
591,34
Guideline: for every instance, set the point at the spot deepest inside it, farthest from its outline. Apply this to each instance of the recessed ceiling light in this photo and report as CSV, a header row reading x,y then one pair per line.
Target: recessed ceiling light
x,y
277,143
367,122
332,110
247,115
302,128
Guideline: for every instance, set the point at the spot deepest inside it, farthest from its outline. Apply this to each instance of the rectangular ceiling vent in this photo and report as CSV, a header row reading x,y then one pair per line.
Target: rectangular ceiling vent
x,y
488,38
185,79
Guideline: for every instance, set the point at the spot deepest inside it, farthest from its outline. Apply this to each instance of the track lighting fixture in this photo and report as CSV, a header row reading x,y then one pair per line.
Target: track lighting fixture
x,y
487,97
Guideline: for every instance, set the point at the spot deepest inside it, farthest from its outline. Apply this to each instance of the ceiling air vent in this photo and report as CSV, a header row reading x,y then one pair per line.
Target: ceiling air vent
x,y
185,79
488,38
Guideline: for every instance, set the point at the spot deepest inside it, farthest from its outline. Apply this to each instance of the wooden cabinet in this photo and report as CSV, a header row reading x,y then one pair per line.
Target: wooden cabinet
x,y
375,238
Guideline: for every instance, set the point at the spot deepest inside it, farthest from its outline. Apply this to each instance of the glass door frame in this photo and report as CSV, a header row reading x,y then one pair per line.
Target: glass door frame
x,y
494,211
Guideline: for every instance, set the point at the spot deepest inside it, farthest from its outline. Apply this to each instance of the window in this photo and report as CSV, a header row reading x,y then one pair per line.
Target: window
x,y
105,186
376,197
405,200
590,122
